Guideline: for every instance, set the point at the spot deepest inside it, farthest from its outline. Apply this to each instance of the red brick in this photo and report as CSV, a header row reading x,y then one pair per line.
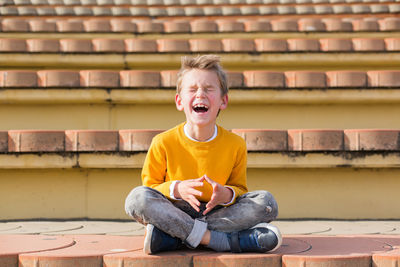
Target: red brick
x,y
13,45
238,45
176,26
171,45
14,25
136,140
87,250
91,140
315,140
59,78
333,44
372,140
97,25
99,78
235,79
42,26
336,251
389,24
368,44
241,259
382,78
271,45
181,258
140,45
261,78
139,78
122,25
205,45
257,26
76,45
346,79
337,25
168,78
108,45
392,44
365,25
284,25
70,26
204,26
311,25
43,45
388,259
18,78
13,245
3,141
35,141
150,27
264,140
303,45
230,26
305,79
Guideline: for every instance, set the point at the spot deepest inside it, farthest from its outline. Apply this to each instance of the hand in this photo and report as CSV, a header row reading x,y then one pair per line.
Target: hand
x,y
186,190
220,195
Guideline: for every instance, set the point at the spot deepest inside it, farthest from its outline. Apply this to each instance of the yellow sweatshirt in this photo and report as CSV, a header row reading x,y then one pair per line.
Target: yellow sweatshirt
x,y
173,156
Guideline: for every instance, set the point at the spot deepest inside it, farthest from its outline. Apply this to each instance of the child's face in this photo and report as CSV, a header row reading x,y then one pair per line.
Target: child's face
x,y
200,97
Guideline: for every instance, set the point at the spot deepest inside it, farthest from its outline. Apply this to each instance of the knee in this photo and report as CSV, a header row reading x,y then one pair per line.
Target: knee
x,y
267,200
136,200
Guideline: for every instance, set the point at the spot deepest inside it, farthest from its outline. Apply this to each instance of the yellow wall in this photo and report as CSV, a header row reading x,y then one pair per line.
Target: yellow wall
x,y
164,116
344,193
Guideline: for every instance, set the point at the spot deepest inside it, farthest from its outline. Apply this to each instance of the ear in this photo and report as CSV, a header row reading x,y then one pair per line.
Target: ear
x,y
224,103
178,102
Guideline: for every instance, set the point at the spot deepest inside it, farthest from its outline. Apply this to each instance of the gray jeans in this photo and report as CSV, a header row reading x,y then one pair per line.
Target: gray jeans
x,y
179,219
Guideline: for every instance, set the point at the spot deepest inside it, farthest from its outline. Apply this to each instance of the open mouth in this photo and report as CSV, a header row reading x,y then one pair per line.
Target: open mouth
x,y
200,108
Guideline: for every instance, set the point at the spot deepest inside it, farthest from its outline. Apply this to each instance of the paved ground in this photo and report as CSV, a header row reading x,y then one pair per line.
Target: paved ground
x,y
103,243
135,229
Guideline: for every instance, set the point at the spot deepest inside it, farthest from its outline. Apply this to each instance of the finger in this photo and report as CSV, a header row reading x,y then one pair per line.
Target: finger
x,y
213,202
195,184
194,203
209,180
195,192
200,179
210,205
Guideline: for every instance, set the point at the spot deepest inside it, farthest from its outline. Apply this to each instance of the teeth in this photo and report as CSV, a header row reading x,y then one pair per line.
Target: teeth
x,y
200,106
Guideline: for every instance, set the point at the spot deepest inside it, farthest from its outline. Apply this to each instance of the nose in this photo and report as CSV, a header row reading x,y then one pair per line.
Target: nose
x,y
200,92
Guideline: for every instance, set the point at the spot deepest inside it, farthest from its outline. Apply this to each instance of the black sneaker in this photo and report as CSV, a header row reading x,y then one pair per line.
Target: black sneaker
x,y
156,241
263,237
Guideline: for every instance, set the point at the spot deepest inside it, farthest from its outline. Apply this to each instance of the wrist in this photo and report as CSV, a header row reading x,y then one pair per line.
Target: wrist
x,y
176,190
228,194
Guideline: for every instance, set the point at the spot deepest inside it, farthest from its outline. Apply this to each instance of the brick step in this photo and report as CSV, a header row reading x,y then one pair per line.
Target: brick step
x,y
240,54
41,141
167,79
231,45
212,11
196,26
160,3
111,251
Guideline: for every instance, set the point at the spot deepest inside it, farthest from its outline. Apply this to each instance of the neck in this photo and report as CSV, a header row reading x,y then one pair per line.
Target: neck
x,y
199,133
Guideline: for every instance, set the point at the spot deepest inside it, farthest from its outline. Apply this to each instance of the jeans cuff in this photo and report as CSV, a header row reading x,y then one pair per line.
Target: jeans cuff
x,y
197,233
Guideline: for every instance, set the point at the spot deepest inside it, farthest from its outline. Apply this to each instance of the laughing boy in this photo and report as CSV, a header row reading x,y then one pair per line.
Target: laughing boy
x,y
194,177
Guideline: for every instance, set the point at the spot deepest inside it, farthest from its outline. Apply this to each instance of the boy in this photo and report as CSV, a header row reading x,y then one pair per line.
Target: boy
x,y
194,176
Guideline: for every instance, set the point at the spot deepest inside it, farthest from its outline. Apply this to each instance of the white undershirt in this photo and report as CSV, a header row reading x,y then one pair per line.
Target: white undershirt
x,y
186,130
172,186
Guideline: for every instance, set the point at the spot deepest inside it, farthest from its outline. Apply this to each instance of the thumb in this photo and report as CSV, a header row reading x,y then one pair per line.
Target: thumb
x,y
208,179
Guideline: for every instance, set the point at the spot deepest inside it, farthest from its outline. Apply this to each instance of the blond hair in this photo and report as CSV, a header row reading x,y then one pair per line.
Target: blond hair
x,y
204,62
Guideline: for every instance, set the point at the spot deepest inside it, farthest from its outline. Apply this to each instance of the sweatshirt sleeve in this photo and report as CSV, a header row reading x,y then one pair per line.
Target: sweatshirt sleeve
x,y
155,168
238,179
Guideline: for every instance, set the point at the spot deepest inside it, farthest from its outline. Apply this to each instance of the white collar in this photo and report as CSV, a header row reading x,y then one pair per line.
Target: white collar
x,y
186,130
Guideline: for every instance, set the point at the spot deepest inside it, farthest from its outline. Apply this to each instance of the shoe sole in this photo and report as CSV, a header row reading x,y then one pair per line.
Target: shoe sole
x,y
275,230
147,239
